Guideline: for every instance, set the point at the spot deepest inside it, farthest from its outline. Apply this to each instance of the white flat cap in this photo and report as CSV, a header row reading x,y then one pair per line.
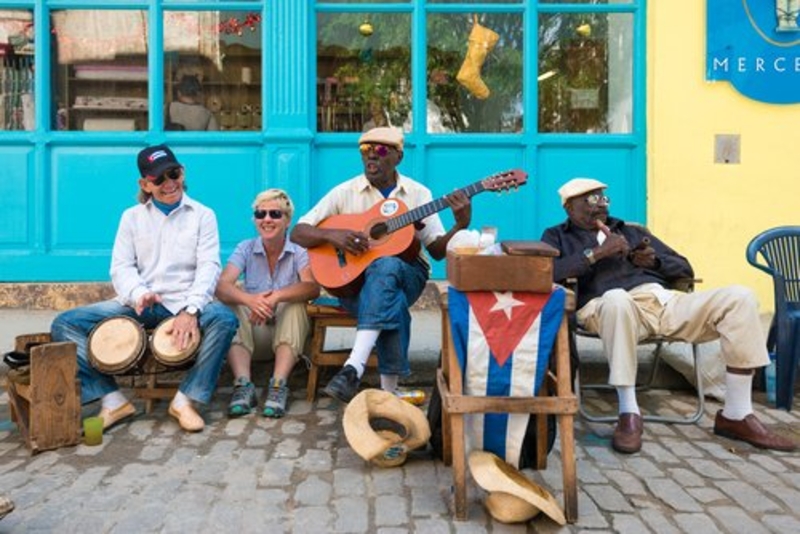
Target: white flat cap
x,y
577,187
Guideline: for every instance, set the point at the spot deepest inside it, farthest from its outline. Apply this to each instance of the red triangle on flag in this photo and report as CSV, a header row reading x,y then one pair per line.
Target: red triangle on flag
x,y
505,318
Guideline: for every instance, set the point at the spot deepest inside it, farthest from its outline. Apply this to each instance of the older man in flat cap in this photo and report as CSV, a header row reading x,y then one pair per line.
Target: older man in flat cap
x,y
623,273
391,284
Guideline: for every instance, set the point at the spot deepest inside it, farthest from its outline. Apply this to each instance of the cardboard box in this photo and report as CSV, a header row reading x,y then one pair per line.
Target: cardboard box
x,y
508,272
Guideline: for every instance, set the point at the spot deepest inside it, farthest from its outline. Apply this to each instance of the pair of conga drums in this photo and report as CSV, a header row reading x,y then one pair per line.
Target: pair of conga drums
x,y
119,345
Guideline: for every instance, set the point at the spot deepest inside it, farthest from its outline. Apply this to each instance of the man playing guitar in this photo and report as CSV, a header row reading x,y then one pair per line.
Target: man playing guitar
x,y
389,285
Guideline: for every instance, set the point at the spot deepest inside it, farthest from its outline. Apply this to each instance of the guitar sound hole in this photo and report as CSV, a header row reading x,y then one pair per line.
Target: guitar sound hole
x,y
378,231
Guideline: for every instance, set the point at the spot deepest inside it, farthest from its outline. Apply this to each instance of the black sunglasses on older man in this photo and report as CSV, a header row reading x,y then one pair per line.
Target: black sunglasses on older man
x,y
172,174
273,214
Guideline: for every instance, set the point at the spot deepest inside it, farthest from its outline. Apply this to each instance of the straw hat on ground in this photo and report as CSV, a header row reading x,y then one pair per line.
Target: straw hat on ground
x,y
381,428
513,498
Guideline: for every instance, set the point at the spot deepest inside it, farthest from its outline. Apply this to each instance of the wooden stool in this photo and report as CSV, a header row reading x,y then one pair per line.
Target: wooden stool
x,y
47,410
323,317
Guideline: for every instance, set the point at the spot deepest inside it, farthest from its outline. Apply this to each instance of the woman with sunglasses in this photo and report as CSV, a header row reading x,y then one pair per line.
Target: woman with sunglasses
x,y
164,264
391,284
277,284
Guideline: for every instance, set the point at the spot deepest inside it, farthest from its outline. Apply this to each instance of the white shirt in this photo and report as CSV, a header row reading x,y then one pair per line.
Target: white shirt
x,y
175,256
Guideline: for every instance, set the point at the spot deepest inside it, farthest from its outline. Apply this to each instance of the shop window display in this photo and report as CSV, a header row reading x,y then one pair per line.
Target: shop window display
x,y
16,70
101,70
585,84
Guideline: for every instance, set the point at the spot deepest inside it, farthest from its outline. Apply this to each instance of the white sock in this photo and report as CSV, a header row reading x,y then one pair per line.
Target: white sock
x,y
180,400
627,399
738,396
113,400
362,347
389,383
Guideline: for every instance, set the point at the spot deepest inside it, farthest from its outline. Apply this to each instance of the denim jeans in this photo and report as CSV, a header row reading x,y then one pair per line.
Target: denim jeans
x,y
391,286
217,324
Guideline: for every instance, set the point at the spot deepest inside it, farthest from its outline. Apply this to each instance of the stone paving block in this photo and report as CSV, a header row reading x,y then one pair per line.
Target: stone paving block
x,y
391,510
708,495
352,515
747,496
607,498
313,491
659,521
734,519
669,492
695,523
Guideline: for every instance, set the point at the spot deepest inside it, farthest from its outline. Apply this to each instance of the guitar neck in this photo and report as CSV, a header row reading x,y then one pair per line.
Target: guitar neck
x,y
434,206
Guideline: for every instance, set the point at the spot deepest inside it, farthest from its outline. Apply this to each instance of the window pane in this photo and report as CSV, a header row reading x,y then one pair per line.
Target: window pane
x,y
470,90
596,2
363,1
100,72
363,70
585,73
212,70
16,70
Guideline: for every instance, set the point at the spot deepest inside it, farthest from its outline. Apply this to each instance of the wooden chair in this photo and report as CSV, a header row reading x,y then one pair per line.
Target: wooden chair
x,y
555,397
322,317
46,406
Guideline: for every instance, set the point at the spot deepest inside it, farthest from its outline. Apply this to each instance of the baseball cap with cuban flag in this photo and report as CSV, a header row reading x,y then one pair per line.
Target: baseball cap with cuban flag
x,y
155,160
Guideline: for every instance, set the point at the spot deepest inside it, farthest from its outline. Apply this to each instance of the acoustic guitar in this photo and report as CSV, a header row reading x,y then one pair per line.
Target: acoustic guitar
x,y
390,227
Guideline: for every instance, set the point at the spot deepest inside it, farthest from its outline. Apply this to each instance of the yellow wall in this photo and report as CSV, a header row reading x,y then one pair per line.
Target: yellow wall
x,y
707,211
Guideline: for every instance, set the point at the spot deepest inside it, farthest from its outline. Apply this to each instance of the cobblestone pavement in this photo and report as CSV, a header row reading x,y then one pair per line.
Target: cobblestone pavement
x,y
298,474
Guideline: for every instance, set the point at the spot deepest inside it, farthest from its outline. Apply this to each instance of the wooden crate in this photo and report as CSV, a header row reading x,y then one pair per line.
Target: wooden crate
x,y
47,410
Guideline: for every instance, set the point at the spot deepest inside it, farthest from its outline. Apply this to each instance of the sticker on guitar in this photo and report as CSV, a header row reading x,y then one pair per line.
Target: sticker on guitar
x,y
390,225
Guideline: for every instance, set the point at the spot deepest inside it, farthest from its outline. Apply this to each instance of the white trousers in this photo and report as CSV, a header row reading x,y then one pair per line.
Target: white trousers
x,y
623,318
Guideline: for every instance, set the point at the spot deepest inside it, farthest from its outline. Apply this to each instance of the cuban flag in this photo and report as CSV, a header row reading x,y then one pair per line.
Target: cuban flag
x,y
503,342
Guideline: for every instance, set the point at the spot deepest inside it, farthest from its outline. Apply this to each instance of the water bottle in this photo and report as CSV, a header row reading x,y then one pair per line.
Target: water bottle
x,y
769,379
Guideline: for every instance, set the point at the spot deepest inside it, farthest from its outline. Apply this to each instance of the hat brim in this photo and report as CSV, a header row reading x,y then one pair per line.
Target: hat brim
x,y
494,475
508,508
374,404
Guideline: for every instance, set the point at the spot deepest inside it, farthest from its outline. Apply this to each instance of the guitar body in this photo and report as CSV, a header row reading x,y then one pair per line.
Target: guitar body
x,y
340,272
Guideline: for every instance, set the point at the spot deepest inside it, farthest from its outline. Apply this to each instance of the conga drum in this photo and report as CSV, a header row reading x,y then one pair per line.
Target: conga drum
x,y
164,350
116,345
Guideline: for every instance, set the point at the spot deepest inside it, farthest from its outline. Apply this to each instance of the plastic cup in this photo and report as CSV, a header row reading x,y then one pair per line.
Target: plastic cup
x,y
93,431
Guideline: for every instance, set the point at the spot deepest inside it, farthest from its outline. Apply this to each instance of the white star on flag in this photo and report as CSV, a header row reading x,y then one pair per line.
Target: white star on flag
x,y
505,302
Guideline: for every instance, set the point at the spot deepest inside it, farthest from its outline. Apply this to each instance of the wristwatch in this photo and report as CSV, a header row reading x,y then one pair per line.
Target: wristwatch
x,y
589,255
191,310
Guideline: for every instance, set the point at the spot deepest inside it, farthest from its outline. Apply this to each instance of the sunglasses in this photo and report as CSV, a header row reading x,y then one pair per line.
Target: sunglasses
x,y
380,150
595,199
172,174
273,214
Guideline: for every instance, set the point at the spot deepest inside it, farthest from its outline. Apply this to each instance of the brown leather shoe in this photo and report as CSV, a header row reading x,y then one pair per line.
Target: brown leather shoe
x,y
753,431
628,433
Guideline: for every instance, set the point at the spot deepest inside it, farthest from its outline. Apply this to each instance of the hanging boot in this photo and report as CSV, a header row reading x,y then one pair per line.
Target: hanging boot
x,y
481,41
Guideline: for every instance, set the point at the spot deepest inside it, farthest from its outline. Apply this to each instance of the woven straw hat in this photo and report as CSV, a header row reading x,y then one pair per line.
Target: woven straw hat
x,y
513,498
376,421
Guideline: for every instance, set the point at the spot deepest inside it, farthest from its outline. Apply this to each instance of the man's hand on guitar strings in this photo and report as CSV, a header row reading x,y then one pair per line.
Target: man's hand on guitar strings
x,y
461,205
353,242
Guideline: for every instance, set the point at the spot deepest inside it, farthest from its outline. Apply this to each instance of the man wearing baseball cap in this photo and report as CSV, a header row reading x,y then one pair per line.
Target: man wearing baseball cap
x,y
623,275
164,264
391,283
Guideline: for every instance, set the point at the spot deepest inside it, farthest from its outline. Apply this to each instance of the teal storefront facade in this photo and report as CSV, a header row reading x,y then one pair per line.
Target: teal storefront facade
x,y
68,167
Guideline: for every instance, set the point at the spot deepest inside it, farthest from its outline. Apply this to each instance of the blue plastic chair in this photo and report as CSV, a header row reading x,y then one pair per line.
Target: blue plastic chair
x,y
780,249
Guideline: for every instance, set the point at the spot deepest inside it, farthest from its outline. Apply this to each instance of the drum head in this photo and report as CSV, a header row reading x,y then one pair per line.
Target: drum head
x,y
116,344
165,351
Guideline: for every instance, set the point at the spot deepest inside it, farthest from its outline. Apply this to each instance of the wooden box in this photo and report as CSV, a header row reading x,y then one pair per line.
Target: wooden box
x,y
524,266
47,408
